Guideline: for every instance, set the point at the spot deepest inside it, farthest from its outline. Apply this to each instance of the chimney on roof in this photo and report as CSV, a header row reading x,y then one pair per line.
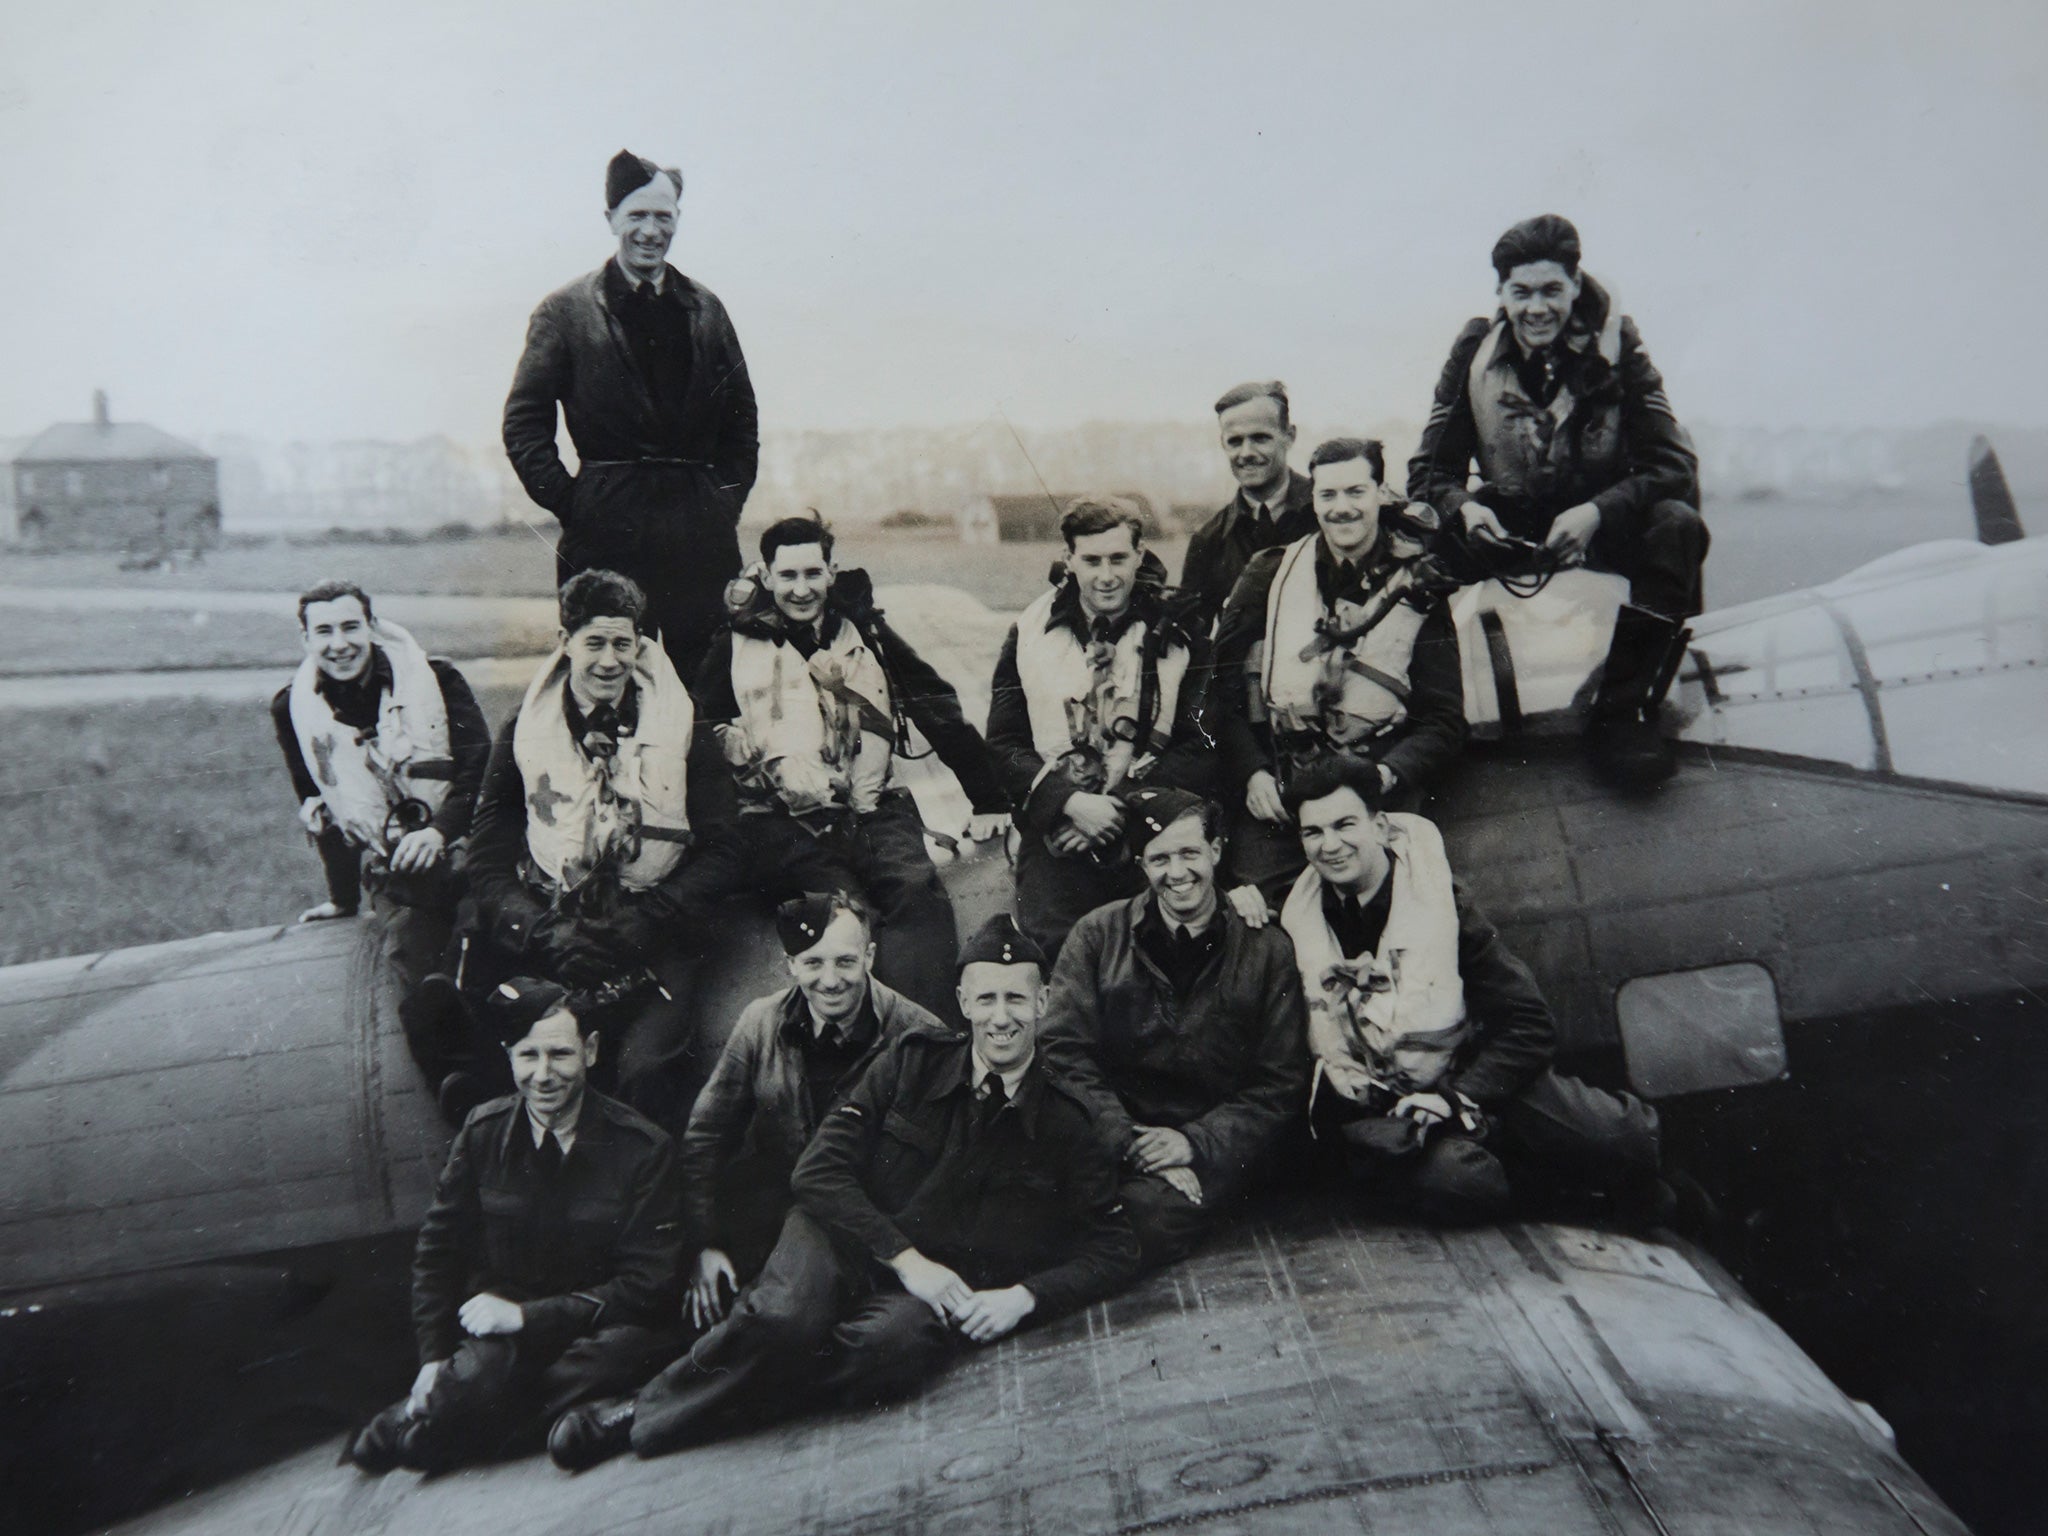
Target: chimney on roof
x,y
99,409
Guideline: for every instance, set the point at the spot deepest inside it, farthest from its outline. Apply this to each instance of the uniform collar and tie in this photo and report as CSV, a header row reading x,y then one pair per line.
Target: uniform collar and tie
x,y
1179,951
1359,923
560,1136
988,1081
862,1026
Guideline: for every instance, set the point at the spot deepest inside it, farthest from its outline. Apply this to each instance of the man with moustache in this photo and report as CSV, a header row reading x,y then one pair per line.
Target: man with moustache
x,y
602,847
1325,648
812,695
1433,1046
644,365
1095,691
547,1269
957,1192
791,1059
1271,506
1181,1026
1562,412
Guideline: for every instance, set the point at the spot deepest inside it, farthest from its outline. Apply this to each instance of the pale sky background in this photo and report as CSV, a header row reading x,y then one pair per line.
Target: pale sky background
x,y
331,220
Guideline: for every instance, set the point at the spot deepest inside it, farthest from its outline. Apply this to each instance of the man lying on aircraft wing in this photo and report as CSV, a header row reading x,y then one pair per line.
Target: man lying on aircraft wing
x,y
957,1191
386,749
1095,692
792,1058
812,694
1432,1044
1564,415
1182,1028
548,1271
1328,644
602,850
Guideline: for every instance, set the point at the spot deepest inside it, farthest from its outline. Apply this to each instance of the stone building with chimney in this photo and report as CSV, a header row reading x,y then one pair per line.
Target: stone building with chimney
x,y
105,484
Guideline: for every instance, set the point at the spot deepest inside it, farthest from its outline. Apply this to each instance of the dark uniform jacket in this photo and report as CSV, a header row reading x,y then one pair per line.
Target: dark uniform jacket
x,y
602,1247
1417,750
1188,761
658,402
512,903
1225,1063
578,357
917,694
1622,449
1513,1035
1222,547
469,744
1030,1201
754,1117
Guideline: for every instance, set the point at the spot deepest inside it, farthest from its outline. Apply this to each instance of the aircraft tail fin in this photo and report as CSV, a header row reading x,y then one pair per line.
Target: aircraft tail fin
x,y
1998,520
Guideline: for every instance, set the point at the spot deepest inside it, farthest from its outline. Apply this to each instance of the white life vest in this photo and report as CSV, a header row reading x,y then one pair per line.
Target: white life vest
x,y
363,774
1082,695
1347,693
634,811
820,731
1516,439
1405,1036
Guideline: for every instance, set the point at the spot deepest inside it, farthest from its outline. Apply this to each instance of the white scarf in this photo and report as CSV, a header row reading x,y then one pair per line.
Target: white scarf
x,y
363,775
821,731
1397,1016
1347,694
1078,694
631,808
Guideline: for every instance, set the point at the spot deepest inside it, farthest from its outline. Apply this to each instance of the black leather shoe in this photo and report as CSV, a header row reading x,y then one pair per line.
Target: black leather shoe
x,y
591,1433
377,1447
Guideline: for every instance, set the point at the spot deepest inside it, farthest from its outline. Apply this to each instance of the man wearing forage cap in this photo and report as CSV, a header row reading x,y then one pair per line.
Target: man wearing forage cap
x,y
1558,406
957,1191
1182,1026
644,365
547,1270
791,1059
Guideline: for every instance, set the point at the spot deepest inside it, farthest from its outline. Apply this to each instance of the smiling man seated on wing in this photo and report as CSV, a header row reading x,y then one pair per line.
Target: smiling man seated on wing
x,y
1433,1046
957,1192
813,693
792,1058
1325,647
602,850
1558,406
1095,692
1182,1026
548,1270
386,749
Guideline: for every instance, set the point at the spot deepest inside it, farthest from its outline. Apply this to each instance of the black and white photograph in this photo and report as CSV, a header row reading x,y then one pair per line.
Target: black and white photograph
x,y
1062,768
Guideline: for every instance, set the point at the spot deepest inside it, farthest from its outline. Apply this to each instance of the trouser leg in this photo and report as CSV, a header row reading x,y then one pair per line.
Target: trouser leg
x,y
1168,1224
1445,1177
1608,1140
607,1363
482,1396
342,863
917,945
660,1062
749,1365
888,1348
1054,891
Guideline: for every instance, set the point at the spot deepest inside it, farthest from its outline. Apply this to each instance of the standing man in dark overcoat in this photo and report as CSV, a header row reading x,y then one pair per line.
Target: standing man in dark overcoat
x,y
645,367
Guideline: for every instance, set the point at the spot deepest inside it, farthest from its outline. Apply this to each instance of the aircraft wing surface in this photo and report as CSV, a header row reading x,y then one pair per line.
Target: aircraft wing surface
x,y
1307,1373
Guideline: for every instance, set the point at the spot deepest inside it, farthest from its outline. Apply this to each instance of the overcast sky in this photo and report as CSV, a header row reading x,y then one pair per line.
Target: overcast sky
x,y
332,220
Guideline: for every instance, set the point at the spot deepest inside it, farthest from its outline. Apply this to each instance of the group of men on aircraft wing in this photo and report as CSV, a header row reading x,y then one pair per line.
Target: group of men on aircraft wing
x,y
1236,945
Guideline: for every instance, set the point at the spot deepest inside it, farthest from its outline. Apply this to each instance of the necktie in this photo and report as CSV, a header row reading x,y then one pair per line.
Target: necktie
x,y
1262,522
548,1155
1187,953
993,1096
